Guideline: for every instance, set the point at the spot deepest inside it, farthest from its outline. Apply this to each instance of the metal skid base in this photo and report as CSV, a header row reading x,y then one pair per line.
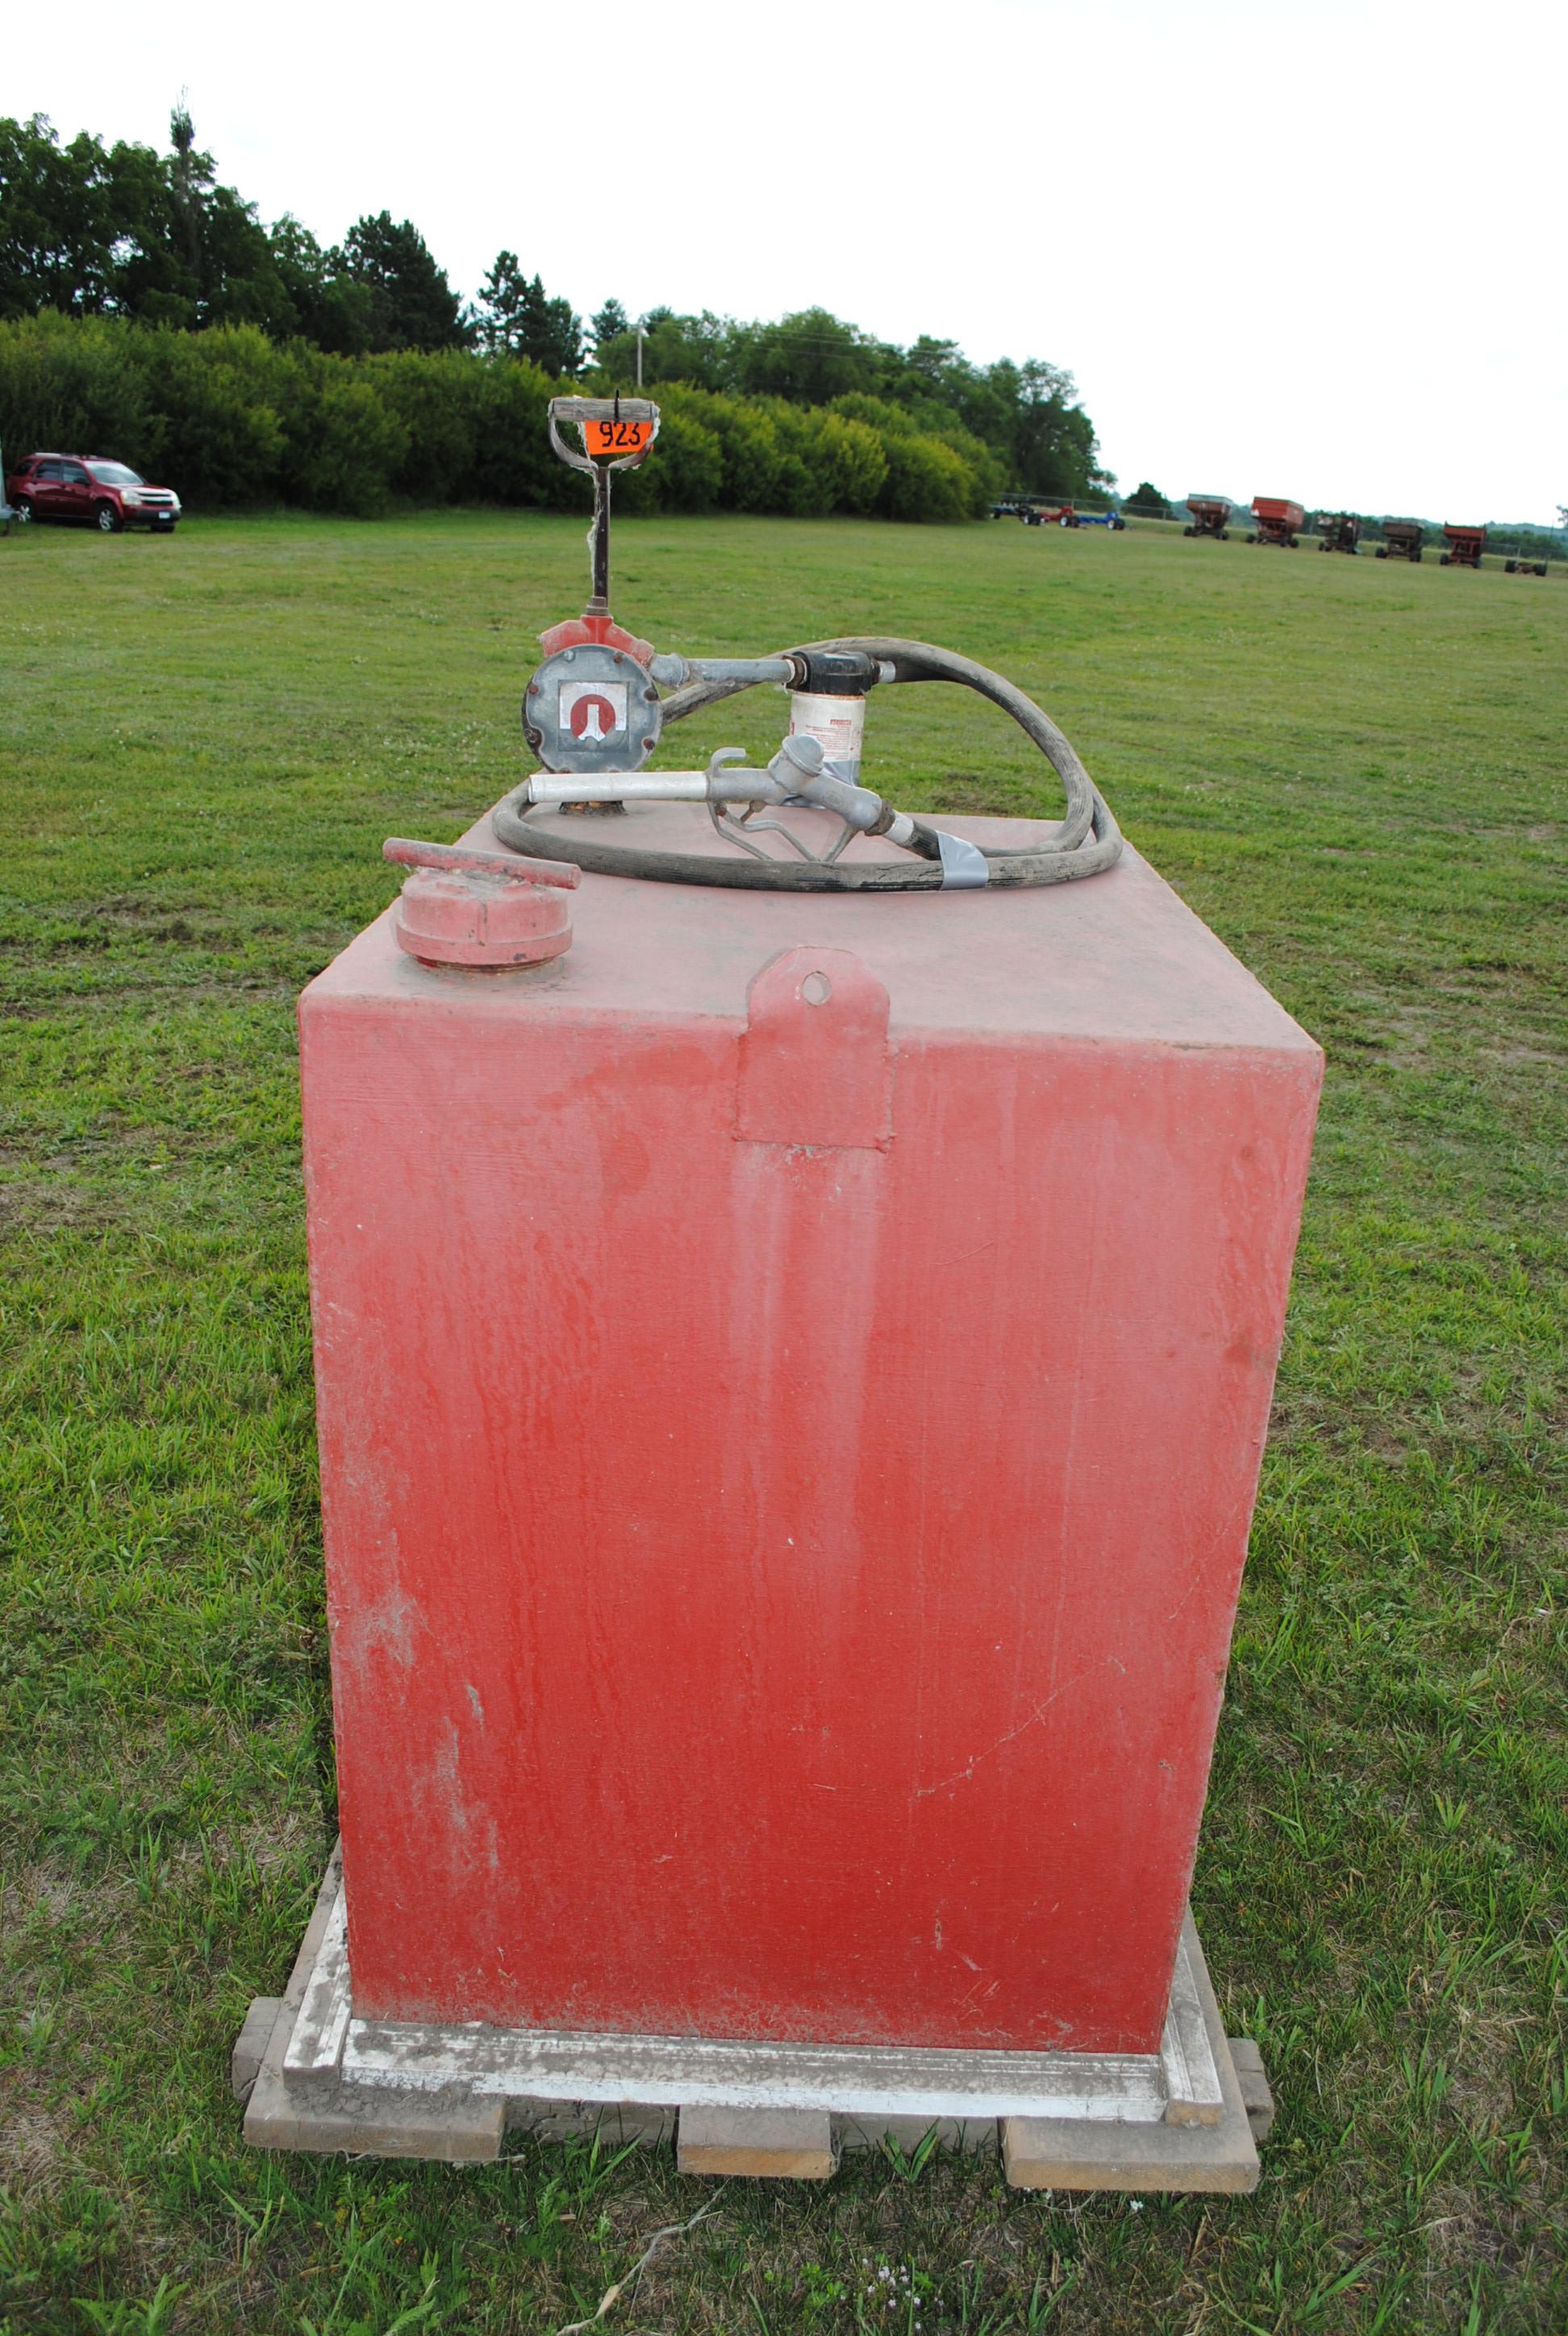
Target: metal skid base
x,y
314,2077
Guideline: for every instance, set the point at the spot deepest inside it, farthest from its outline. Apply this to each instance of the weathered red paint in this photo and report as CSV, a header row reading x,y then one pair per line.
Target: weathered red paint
x,y
576,632
457,916
787,1466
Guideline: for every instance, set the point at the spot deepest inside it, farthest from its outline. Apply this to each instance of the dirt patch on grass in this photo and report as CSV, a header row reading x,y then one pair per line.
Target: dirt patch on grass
x,y
35,2134
33,1206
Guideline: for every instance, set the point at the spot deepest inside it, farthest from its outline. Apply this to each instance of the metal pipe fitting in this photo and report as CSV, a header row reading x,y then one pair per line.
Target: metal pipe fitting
x,y
673,672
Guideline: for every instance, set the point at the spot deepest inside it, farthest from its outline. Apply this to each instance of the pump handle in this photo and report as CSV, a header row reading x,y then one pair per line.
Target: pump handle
x,y
584,410
516,865
611,411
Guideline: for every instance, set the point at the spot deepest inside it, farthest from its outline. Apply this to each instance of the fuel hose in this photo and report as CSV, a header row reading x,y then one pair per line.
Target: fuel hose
x,y
1085,842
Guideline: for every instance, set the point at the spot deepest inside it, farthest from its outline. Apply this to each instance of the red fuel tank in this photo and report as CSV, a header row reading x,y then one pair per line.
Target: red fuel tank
x,y
792,1373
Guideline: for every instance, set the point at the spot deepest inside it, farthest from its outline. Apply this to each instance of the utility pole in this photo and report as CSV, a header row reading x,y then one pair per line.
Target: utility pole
x,y
640,329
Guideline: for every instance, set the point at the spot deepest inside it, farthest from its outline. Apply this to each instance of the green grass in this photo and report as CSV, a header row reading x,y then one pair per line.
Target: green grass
x,y
1355,771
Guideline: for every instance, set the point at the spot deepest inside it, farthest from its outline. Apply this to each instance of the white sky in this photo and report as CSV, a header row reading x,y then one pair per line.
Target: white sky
x,y
1314,250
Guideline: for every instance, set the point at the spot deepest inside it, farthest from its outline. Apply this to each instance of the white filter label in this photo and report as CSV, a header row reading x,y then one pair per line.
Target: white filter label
x,y
838,724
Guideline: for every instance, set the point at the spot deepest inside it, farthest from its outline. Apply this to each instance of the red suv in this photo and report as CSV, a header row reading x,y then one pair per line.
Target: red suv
x,y
90,487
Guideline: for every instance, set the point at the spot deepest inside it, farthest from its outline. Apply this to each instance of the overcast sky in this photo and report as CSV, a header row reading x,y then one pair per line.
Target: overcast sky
x,y
1305,249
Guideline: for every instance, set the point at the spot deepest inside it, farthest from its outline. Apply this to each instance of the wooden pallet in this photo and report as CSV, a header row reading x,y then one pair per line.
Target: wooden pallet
x,y
315,2077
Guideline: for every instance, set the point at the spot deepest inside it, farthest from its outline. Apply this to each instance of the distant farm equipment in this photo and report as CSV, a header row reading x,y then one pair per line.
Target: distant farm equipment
x,y
1277,522
1465,545
1278,519
1209,516
1402,539
1039,511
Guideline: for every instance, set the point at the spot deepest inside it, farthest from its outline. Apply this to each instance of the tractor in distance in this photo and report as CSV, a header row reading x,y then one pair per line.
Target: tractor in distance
x,y
1035,511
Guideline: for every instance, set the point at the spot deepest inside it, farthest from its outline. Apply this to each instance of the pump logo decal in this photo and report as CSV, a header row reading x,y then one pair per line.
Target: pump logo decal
x,y
592,710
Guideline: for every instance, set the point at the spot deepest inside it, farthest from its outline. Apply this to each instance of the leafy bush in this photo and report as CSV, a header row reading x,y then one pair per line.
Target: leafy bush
x,y
928,479
230,418
853,461
211,409
684,473
355,446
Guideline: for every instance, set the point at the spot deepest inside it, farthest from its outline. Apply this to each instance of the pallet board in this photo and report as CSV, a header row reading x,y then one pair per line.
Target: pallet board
x,y
314,2077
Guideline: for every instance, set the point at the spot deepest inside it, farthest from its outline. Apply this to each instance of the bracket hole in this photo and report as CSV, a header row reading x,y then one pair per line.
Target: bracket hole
x,y
816,989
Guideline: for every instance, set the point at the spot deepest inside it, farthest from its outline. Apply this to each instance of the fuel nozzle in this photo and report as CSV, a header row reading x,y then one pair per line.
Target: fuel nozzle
x,y
802,771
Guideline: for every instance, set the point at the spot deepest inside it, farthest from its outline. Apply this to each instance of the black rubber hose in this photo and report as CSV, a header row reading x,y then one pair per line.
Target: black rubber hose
x,y
1084,844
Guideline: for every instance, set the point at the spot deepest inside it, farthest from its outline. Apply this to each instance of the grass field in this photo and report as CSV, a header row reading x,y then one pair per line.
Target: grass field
x,y
1356,772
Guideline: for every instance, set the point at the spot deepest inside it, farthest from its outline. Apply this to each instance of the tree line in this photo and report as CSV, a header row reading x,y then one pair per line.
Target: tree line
x,y
94,233
232,419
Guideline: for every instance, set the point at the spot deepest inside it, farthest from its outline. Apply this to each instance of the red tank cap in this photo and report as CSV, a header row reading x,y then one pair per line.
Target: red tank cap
x,y
455,917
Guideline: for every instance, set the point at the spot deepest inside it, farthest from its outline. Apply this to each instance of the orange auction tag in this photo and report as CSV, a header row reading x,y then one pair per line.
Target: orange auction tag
x,y
603,440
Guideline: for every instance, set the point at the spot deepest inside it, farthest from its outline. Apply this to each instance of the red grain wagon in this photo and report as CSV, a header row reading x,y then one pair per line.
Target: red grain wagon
x,y
1210,514
1465,545
1277,521
1402,539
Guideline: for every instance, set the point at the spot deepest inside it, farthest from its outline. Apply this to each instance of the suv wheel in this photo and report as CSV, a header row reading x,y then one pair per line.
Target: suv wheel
x,y
109,519
24,510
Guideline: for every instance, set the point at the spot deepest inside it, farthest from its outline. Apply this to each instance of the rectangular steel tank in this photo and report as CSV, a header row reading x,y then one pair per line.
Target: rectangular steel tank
x,y
792,1376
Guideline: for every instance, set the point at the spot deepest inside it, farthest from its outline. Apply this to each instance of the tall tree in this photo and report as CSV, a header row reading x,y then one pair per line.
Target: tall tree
x,y
68,217
54,239
501,311
1053,448
411,306
514,317
607,323
92,229
810,357
334,310
696,349
190,176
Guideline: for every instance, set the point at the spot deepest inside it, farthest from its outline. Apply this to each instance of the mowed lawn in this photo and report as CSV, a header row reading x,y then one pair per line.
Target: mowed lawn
x,y
1356,772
